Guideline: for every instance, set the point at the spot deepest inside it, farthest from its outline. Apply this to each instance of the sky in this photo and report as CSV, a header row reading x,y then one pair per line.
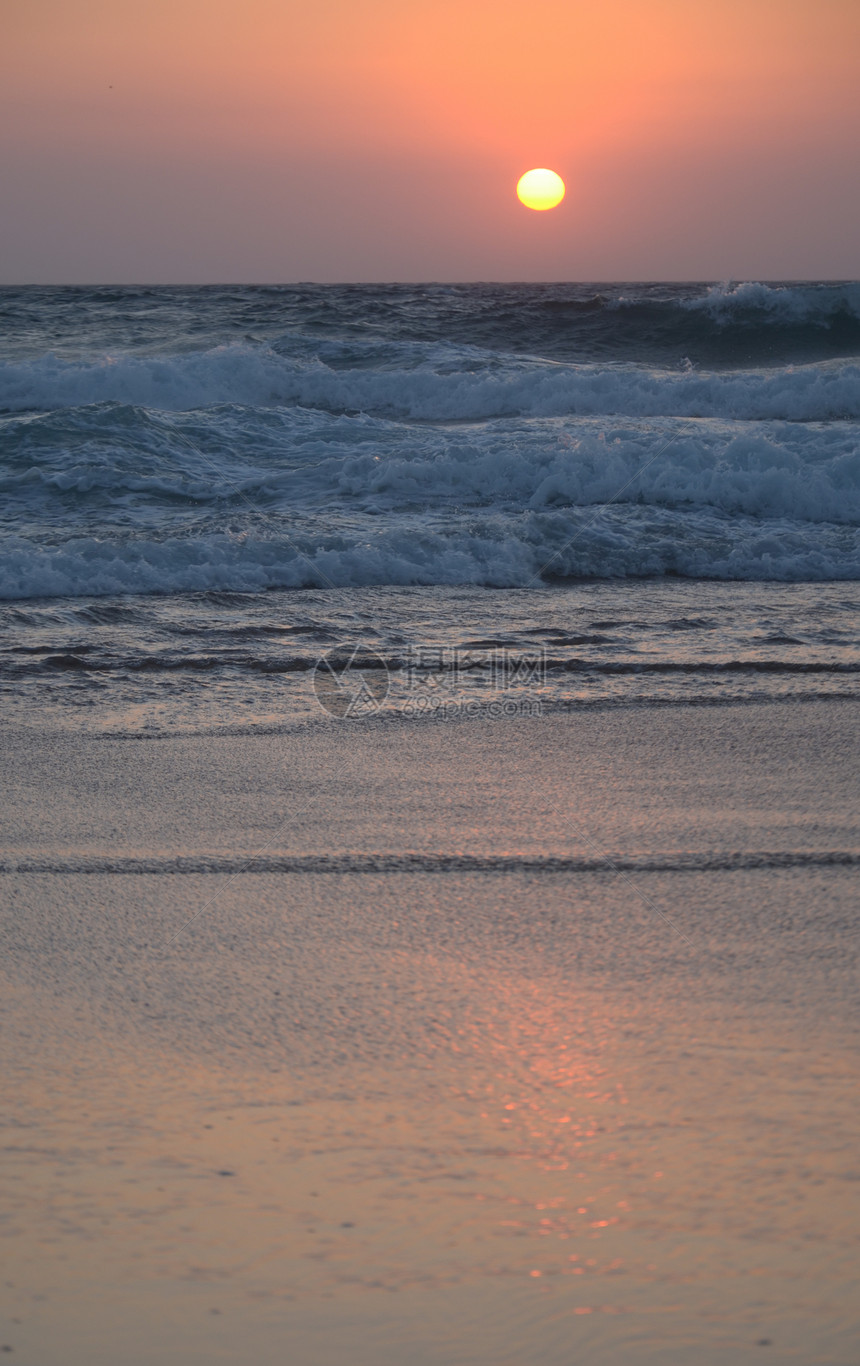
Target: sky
x,y
195,141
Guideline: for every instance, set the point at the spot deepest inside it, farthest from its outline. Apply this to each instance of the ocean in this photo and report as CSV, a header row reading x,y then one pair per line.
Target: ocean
x,y
633,492
428,875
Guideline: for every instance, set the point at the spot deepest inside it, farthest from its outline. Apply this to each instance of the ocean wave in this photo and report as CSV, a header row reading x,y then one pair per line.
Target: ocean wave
x,y
430,384
121,467
777,304
736,324
86,660
432,862
247,439
497,550
724,325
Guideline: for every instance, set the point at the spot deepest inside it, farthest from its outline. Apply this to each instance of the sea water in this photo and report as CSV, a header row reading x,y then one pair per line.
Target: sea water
x,y
331,1039
652,492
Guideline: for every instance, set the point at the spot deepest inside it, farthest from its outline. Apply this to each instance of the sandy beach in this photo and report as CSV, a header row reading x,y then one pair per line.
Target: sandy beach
x,y
464,1042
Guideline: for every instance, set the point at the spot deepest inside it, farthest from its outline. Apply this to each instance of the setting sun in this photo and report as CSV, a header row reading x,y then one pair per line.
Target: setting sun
x,y
540,189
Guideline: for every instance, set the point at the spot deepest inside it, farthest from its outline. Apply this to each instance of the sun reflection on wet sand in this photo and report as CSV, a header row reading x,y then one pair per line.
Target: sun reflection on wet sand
x,y
416,1121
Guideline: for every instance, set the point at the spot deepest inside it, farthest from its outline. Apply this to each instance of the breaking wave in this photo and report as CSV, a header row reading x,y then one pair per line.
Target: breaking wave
x,y
248,439
427,383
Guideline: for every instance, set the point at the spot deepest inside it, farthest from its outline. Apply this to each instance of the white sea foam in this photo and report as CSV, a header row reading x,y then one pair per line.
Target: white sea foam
x,y
437,384
782,473
777,303
494,550
370,440
311,461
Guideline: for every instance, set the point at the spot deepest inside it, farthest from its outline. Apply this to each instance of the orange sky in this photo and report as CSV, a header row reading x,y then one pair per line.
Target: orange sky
x,y
382,139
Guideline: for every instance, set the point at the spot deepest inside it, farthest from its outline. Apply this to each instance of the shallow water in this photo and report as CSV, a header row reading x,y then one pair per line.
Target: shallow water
x,y
205,662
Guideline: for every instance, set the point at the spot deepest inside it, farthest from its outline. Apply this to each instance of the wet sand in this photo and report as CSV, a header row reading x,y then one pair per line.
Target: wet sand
x,y
438,1043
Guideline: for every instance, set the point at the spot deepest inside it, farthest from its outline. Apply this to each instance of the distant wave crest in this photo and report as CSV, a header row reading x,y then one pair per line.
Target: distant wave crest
x,y
778,304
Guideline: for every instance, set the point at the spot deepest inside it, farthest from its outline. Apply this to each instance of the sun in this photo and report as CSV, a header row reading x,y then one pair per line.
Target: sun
x,y
540,189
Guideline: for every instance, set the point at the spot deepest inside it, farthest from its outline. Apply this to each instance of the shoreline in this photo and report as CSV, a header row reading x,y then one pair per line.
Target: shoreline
x,y
708,780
